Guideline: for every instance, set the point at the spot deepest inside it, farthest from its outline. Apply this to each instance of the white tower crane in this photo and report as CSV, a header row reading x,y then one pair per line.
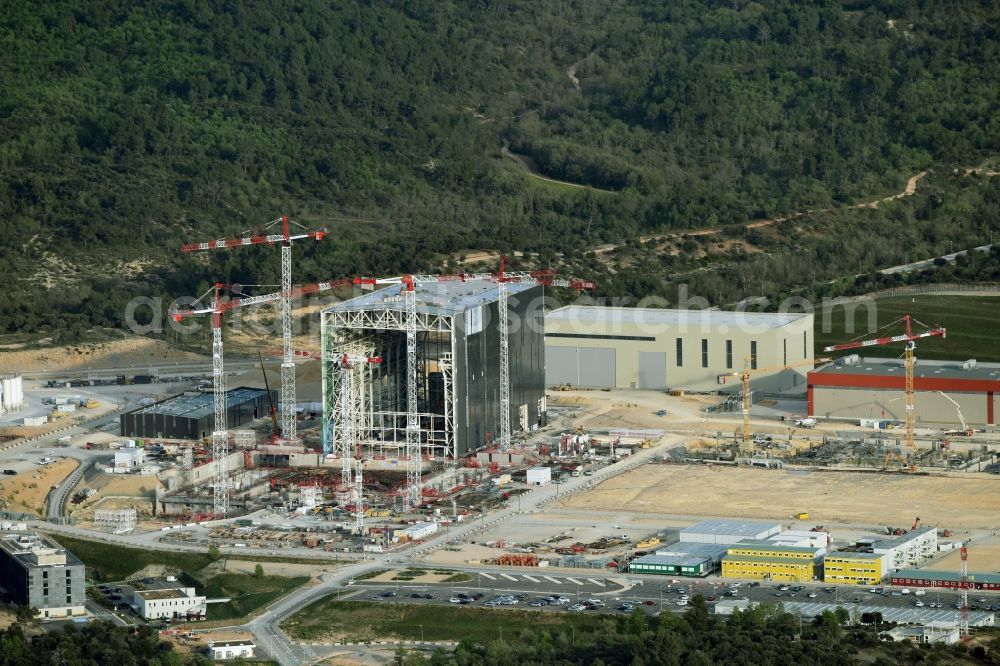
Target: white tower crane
x,y
220,433
217,308
284,240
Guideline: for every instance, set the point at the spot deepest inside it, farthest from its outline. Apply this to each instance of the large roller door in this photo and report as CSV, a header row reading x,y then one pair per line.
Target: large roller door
x,y
580,366
652,370
560,365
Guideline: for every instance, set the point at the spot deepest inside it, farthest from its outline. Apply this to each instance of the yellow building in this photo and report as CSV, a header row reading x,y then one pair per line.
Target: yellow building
x,y
767,561
855,568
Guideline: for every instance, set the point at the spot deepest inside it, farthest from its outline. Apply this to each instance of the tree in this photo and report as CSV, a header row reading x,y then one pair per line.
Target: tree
x,y
214,553
258,571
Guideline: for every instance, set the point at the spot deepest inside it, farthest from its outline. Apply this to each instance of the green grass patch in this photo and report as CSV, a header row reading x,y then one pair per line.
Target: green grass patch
x,y
969,320
370,574
247,593
363,621
107,562
458,578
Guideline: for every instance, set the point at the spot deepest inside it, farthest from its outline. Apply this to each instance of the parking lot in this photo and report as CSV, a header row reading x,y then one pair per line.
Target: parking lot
x,y
560,592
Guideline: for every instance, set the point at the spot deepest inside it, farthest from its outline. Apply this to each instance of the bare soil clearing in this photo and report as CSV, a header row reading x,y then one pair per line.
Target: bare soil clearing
x,y
829,497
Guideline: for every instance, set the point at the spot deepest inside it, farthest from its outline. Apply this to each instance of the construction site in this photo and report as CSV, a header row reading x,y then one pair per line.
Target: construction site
x,y
432,400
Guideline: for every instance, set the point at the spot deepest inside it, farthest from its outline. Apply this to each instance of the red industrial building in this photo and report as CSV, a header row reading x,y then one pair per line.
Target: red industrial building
x,y
951,579
946,392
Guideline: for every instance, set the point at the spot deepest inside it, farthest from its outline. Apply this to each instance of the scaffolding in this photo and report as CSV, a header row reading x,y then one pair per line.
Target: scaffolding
x,y
244,439
116,521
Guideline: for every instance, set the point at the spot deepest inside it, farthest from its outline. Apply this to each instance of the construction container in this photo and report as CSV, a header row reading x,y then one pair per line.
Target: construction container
x,y
802,516
35,420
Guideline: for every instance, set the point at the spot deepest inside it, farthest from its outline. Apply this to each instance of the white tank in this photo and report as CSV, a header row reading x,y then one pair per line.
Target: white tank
x,y
11,393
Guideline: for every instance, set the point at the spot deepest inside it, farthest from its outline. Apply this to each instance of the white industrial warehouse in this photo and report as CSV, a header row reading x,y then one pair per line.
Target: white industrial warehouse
x,y
962,393
643,348
729,532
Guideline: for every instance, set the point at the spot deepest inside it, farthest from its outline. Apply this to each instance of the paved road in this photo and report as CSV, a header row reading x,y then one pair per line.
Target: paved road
x,y
927,263
163,369
58,497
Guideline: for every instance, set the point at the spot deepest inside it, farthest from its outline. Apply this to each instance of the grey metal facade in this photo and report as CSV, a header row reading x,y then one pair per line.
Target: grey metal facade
x,y
477,373
40,586
191,416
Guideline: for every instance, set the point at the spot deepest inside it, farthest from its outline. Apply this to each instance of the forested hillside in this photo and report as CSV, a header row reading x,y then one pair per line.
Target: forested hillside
x,y
128,127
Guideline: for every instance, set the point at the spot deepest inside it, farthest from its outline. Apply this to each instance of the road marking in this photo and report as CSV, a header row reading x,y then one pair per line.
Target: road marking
x,y
554,580
508,577
486,575
595,582
533,580
574,580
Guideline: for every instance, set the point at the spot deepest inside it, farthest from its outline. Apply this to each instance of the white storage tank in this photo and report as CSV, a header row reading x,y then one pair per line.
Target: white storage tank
x,y
11,393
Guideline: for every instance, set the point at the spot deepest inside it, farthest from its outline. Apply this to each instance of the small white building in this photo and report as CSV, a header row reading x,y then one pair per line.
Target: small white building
x,y
129,460
35,420
728,606
539,476
909,550
932,632
415,531
169,603
231,649
801,538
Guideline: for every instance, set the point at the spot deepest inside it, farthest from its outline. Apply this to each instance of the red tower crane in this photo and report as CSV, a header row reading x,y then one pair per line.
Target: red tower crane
x,y
909,360
283,240
964,584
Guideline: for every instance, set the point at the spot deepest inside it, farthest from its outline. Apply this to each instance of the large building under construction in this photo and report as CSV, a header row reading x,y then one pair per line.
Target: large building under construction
x,y
458,366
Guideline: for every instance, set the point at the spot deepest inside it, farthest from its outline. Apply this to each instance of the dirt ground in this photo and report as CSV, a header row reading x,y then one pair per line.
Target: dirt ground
x,y
127,485
134,351
270,568
982,557
27,491
829,497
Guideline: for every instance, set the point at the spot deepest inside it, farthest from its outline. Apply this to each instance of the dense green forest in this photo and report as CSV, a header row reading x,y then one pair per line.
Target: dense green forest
x,y
129,127
762,635
758,636
96,644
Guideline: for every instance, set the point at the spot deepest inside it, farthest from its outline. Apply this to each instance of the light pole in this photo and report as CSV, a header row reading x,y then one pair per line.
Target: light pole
x,y
422,632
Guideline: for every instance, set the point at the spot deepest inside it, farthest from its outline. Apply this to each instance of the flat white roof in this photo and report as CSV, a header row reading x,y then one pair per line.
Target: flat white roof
x,y
597,314
748,528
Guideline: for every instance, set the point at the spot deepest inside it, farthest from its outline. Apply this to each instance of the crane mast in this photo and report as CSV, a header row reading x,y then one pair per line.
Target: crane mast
x,y
220,434
504,359
284,240
909,339
746,373
964,584
413,458
217,308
